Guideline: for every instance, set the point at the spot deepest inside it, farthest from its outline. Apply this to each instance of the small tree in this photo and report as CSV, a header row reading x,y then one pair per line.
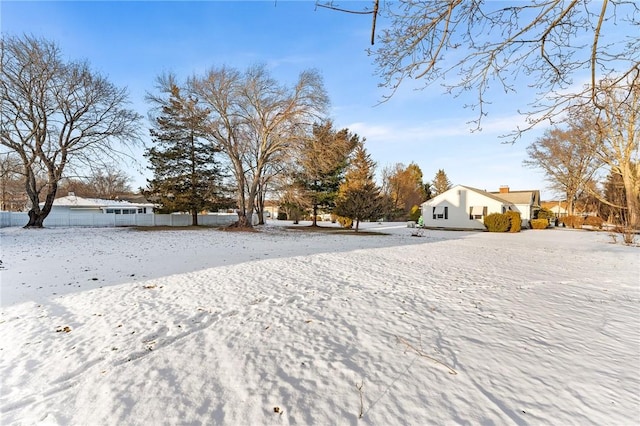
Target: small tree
x,y
359,197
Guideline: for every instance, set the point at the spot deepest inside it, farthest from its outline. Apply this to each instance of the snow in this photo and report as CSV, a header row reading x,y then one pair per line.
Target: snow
x,y
283,327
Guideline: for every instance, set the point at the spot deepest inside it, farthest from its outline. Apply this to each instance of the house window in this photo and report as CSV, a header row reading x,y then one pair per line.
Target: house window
x,y
477,212
109,211
440,212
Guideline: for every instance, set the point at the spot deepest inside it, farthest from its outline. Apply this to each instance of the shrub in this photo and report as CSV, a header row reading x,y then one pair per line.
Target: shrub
x,y
573,221
415,213
282,216
545,214
515,223
345,222
539,223
594,221
496,222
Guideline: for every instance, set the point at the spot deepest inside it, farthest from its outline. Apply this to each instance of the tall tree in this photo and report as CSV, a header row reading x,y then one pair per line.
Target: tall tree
x,y
57,115
404,187
546,43
568,158
441,182
323,159
359,197
256,120
186,173
618,132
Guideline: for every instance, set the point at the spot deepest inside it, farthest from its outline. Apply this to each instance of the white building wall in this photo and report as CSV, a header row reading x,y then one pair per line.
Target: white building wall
x,y
458,200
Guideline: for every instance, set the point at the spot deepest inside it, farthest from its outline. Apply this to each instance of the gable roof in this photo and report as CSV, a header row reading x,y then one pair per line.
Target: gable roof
x,y
531,196
437,198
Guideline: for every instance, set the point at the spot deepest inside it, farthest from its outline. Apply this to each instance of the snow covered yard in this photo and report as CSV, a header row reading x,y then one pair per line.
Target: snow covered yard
x,y
118,326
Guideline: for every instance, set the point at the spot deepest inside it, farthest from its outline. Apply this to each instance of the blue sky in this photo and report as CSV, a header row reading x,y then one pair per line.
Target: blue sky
x,y
133,42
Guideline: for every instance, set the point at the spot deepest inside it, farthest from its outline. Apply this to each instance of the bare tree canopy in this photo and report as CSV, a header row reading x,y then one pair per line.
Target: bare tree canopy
x,y
552,46
617,127
56,115
568,158
256,121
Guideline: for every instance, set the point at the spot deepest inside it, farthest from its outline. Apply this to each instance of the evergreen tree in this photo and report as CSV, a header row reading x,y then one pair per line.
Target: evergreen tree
x,y
323,160
441,183
359,197
186,175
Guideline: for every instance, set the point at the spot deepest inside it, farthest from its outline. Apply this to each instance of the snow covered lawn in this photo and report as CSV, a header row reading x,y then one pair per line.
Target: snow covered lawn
x,y
281,327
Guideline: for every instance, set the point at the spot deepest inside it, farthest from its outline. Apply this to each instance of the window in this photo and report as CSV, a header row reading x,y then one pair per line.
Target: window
x,y
109,211
477,212
440,212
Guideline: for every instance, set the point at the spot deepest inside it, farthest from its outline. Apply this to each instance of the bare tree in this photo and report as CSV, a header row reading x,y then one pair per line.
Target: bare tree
x,y
618,130
568,158
545,44
57,114
255,119
109,182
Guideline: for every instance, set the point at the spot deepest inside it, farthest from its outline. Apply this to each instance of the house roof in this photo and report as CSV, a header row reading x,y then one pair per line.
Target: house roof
x,y
75,201
520,197
479,191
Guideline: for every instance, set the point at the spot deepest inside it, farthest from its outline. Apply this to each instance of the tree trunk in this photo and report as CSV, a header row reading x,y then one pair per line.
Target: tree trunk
x,y
194,217
315,214
357,224
37,215
631,193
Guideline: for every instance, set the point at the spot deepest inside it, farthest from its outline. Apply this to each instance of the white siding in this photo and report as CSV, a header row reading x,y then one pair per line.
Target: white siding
x,y
459,201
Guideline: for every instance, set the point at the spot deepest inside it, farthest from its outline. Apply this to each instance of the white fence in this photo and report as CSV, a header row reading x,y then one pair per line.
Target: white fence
x,y
107,220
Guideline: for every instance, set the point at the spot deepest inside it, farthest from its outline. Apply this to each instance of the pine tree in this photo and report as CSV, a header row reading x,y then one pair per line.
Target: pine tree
x,y
359,197
186,175
323,161
441,183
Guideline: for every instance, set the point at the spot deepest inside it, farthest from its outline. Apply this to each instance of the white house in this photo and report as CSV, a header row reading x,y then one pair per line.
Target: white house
x,y
527,202
463,207
74,204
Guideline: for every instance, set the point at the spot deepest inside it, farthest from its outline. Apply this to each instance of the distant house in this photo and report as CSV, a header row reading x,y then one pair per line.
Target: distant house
x,y
74,204
464,207
559,208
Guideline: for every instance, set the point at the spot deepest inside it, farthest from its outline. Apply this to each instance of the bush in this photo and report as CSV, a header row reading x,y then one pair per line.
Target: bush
x,y
594,221
545,214
345,222
515,223
497,222
539,223
573,221
282,216
415,213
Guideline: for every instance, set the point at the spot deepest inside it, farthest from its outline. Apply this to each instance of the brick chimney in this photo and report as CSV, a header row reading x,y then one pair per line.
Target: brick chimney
x,y
504,189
